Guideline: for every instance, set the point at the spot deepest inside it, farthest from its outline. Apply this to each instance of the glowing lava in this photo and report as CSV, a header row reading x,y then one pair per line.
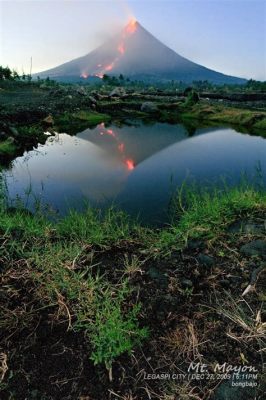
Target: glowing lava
x,y
132,26
121,49
121,147
109,67
129,163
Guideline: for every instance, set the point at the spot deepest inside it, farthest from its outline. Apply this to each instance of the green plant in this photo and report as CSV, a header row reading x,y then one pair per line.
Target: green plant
x,y
114,331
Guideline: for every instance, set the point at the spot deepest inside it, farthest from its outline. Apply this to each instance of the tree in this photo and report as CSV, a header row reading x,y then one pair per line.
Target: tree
x,y
5,73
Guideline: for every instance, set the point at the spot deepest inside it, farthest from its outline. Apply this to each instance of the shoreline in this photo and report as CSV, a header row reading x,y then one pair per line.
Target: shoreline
x,y
57,108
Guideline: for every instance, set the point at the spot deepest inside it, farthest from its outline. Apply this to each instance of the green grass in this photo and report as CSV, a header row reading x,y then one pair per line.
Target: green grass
x,y
96,227
31,132
74,122
205,215
7,148
91,117
261,125
113,332
227,115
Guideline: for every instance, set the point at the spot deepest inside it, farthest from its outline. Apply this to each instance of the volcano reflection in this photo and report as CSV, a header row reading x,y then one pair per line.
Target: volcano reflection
x,y
131,145
136,167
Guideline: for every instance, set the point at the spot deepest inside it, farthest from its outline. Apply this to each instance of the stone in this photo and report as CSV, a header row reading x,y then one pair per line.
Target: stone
x,y
232,389
118,92
92,99
158,276
248,227
206,260
81,91
3,135
10,140
149,107
186,283
254,229
195,244
48,121
254,248
13,131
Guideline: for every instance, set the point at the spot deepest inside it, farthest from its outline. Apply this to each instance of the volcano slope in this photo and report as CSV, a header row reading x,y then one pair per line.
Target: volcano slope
x,y
136,54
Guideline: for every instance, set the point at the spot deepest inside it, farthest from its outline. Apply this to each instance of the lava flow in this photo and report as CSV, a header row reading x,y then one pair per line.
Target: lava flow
x,y
121,49
129,163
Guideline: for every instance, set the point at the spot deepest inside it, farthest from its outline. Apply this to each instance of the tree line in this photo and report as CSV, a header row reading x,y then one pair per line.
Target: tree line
x,y
12,75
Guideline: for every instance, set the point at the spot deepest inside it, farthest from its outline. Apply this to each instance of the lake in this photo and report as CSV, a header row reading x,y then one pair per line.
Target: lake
x,y
137,167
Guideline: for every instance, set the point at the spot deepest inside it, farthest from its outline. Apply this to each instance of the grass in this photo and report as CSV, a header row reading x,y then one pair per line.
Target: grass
x,y
73,122
228,115
113,333
7,148
90,272
91,117
205,214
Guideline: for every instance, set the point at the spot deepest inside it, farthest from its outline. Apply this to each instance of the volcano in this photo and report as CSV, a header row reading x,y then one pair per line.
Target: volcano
x,y
136,54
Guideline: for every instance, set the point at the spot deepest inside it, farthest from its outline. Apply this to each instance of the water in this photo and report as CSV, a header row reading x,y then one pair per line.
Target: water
x,y
136,167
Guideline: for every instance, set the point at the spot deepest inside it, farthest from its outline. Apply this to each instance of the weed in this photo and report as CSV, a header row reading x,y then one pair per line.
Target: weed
x,y
114,332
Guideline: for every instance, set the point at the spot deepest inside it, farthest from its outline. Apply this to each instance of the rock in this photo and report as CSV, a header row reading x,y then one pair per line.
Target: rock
x,y
232,389
236,227
44,86
206,260
248,227
195,244
225,283
187,283
48,121
149,107
159,276
13,131
10,140
81,91
96,95
3,135
118,92
93,100
254,248
254,229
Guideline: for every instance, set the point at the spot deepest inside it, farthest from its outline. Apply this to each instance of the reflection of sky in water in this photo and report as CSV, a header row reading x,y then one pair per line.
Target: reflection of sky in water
x,y
134,166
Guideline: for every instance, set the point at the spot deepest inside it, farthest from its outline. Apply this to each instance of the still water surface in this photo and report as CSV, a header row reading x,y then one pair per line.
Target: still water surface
x,y
136,167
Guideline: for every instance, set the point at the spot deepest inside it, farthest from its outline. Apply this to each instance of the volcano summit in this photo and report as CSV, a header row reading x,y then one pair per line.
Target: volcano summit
x,y
137,54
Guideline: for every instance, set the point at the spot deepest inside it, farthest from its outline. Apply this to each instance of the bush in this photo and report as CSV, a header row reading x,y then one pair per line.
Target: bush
x,y
113,332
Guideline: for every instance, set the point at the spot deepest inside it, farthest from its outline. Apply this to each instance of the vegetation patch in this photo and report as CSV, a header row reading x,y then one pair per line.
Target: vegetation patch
x,y
94,302
228,115
74,122
7,148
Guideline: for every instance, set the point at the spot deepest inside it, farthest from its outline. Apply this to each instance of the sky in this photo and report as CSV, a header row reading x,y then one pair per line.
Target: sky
x,y
228,36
